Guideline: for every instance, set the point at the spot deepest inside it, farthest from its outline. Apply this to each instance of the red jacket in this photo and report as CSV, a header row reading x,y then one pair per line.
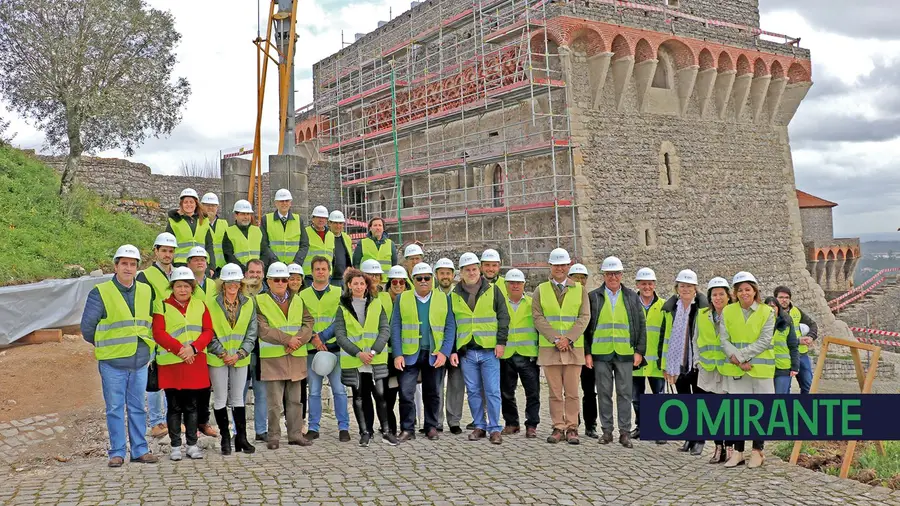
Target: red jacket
x,y
183,376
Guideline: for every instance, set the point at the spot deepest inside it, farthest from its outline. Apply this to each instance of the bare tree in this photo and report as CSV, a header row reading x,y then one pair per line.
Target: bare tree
x,y
207,168
91,74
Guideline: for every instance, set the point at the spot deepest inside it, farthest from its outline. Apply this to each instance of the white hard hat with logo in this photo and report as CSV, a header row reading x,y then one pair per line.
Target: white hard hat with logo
x,y
687,276
804,329
127,251
278,270
468,259
514,276
421,268
231,272
559,256
371,266
336,217
181,274
324,363
444,263
210,199
320,212
197,251
295,269
188,192
490,255
397,272
645,274
612,264
578,269
243,206
413,250
743,277
283,194
717,282
166,239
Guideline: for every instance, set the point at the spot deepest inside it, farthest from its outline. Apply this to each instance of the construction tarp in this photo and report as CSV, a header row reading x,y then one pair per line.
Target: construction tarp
x,y
49,304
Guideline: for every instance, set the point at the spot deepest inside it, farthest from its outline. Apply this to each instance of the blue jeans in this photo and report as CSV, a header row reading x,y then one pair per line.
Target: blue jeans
x,y
805,375
156,404
125,388
783,384
338,392
260,410
481,370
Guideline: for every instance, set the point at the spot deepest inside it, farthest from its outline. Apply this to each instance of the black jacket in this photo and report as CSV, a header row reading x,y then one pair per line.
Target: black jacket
x,y
783,320
637,323
700,302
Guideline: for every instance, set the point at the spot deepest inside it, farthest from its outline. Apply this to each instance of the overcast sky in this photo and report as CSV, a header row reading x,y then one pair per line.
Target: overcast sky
x,y
845,137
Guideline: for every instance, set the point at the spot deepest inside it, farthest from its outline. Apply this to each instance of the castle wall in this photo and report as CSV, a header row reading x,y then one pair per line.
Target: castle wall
x,y
817,224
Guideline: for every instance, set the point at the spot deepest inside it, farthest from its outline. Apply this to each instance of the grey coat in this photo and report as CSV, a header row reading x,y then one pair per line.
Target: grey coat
x,y
350,377
747,384
215,346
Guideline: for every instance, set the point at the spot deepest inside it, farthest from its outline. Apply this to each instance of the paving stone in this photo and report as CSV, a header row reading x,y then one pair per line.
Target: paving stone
x,y
9,432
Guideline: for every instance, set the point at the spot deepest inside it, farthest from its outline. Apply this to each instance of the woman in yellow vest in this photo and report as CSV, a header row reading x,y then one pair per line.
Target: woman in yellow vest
x,y
709,350
362,332
182,331
209,207
295,282
190,228
228,354
376,246
750,360
786,344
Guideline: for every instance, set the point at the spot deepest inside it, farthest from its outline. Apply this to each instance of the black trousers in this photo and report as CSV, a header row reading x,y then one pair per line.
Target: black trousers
x,y
431,393
389,423
687,384
304,397
739,445
362,402
203,406
638,387
511,370
589,409
181,407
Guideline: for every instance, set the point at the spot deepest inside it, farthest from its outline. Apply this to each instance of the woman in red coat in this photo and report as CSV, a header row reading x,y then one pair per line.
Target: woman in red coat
x,y
182,330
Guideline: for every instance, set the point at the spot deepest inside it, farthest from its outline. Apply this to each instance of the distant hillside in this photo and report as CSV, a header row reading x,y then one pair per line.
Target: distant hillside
x,y
874,247
41,233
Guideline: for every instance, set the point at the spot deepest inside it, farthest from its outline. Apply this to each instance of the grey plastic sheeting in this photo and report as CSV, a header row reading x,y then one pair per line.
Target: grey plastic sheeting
x,y
48,304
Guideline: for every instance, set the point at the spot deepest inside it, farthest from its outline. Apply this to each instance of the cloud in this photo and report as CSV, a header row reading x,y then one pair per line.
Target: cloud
x,y
860,18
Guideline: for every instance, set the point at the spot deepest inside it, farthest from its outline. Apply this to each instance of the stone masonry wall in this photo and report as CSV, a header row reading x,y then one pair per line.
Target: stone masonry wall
x,y
882,313
817,224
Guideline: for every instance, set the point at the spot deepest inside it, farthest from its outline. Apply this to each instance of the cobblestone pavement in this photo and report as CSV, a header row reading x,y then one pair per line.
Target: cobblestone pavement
x,y
449,471
17,436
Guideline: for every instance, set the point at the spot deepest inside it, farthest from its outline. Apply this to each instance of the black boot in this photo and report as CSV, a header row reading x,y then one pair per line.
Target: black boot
x,y
240,427
224,431
697,449
686,447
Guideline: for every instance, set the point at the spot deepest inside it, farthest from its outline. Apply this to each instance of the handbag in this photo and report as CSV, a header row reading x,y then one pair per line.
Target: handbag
x,y
153,377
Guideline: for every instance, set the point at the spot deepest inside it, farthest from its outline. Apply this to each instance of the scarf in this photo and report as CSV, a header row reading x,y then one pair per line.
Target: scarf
x,y
675,353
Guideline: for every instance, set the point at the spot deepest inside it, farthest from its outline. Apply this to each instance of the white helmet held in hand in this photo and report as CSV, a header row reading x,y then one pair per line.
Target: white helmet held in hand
x,y
210,199
231,272
467,259
166,239
804,330
397,272
324,363
645,274
687,276
371,266
514,276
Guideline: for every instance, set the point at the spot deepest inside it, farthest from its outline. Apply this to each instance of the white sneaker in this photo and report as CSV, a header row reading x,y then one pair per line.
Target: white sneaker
x,y
194,452
176,454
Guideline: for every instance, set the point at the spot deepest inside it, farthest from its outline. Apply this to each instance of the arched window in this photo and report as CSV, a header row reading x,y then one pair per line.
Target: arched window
x,y
668,162
406,190
663,78
497,186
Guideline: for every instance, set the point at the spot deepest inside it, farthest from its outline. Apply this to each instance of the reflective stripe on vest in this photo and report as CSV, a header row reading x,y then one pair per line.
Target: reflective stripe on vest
x,y
742,333
560,318
410,327
363,336
523,338
186,239
290,324
218,232
318,248
795,317
654,318
245,248
207,295
480,324
383,254
780,347
284,240
712,355
184,328
322,310
230,337
612,334
117,335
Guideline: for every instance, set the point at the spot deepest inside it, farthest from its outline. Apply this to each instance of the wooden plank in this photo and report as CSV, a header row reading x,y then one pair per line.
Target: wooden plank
x,y
42,336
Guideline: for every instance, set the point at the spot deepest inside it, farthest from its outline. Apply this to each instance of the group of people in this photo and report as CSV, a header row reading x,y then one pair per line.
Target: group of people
x,y
281,306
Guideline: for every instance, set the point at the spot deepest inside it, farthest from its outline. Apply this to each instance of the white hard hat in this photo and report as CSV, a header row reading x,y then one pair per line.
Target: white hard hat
x,y
397,272
231,272
687,276
468,259
515,276
197,251
490,255
444,263
742,277
166,239
645,274
578,269
612,264
413,249
188,192
243,206
127,251
371,266
181,274
421,268
320,212
295,269
278,270
559,256
336,217
804,329
210,199
324,363
283,194
717,282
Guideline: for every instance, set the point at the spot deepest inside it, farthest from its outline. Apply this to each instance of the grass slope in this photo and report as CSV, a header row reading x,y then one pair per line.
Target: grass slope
x,y
41,233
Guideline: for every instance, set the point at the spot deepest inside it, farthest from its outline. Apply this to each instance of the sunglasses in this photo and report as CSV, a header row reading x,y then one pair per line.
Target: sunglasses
x,y
423,278
278,280
398,281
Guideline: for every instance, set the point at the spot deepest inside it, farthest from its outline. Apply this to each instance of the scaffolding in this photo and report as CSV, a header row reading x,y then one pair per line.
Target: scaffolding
x,y
410,126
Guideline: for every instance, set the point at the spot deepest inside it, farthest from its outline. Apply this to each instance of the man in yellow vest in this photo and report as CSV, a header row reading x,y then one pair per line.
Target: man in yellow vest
x,y
210,207
805,374
452,399
342,248
490,269
282,231
316,240
376,246
243,241
616,342
519,359
561,312
117,321
655,322
422,330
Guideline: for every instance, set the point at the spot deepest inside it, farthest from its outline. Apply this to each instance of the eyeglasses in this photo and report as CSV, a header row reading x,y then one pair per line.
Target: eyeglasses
x,y
278,280
398,281
613,274
421,279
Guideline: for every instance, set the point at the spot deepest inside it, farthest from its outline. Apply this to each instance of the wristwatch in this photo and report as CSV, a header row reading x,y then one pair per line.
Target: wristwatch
x,y
195,350
556,340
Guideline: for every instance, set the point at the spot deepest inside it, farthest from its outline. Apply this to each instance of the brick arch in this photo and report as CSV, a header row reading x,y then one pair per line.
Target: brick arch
x,y
840,254
707,61
620,47
830,255
298,137
820,255
797,74
537,40
308,133
315,131
760,68
743,65
681,53
725,62
586,40
777,70
643,51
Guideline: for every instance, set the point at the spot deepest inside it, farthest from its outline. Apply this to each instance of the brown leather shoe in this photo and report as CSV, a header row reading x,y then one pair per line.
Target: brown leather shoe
x,y
301,441
477,434
272,445
406,436
509,430
625,440
432,434
531,432
496,438
555,437
147,458
159,430
208,430
116,462
572,437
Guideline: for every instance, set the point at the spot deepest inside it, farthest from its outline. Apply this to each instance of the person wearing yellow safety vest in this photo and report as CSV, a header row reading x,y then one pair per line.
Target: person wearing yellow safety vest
x,y
243,241
645,281
519,360
749,367
412,256
362,332
190,227
452,398
295,282
204,290
710,355
285,327
805,373
398,282
183,330
281,231
228,355
117,321
421,328
316,240
616,340
482,330
589,412
680,356
376,246
322,300
209,207
785,343
490,269
561,313
252,285
343,248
